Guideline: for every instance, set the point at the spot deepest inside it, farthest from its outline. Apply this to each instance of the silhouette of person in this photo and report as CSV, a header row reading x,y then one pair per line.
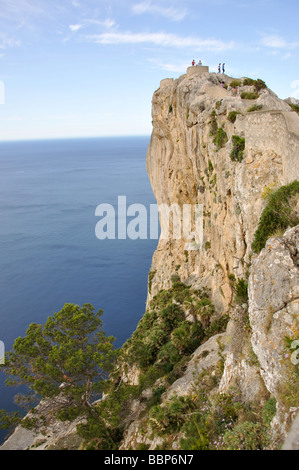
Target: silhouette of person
x,y
219,68
223,68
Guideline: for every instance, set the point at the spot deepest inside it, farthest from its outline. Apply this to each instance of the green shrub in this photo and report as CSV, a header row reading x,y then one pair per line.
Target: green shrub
x,y
150,280
168,355
143,447
235,83
220,138
246,436
156,397
255,107
204,310
232,116
187,337
295,107
213,124
171,316
248,82
175,278
217,326
98,436
180,336
269,411
238,148
150,376
241,288
172,415
277,215
177,370
249,95
259,85
197,434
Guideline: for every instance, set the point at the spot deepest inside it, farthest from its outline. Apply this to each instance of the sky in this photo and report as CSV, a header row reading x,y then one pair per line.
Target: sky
x,y
74,68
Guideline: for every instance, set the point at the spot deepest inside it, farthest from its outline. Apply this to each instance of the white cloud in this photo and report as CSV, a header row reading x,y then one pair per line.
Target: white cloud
x,y
6,42
75,27
278,42
170,67
107,24
160,39
170,13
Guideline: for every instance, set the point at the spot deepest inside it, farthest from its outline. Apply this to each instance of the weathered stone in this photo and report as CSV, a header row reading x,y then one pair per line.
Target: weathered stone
x,y
206,357
292,440
183,160
274,308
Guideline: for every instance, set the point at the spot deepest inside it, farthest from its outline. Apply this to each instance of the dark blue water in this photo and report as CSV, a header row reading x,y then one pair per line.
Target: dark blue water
x,y
49,254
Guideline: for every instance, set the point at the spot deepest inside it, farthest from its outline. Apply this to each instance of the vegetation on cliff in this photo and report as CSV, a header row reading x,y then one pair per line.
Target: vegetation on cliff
x,y
204,421
278,214
177,322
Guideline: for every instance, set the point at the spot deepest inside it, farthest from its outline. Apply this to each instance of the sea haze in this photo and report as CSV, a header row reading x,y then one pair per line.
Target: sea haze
x,y
49,253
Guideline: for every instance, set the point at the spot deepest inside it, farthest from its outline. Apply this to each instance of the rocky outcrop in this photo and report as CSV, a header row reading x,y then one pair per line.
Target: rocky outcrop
x,y
274,305
292,440
45,432
189,163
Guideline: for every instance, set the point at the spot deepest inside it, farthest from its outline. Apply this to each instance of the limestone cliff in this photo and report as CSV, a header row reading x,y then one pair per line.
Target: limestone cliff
x,y
197,120
185,166
227,145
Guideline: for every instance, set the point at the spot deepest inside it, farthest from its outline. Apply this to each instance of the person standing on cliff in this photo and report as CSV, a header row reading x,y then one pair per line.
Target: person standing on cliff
x,y
223,68
193,62
219,68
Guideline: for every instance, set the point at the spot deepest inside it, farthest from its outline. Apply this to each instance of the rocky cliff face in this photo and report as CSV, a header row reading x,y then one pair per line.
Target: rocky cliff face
x,y
197,120
186,166
224,144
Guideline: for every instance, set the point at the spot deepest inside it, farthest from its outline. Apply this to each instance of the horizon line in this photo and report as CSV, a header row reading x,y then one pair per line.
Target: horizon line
x,y
35,139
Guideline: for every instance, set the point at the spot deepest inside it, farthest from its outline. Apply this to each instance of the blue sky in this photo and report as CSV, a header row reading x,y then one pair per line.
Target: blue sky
x,y
74,68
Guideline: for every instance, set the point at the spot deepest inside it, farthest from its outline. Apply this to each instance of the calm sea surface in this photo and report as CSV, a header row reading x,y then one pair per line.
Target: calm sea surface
x,y
49,254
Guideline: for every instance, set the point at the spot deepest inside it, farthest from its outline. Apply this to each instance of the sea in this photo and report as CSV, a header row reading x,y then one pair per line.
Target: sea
x,y
49,251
